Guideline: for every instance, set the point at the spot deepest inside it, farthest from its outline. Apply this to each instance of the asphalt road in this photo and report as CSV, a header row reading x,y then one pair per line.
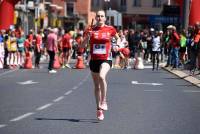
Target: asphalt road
x,y
140,102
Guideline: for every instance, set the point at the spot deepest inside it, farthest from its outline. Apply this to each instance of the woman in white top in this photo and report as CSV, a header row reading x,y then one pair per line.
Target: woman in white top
x,y
155,49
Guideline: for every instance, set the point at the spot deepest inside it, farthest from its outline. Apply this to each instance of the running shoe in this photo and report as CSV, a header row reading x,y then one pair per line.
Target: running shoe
x,y
104,106
52,71
67,65
100,115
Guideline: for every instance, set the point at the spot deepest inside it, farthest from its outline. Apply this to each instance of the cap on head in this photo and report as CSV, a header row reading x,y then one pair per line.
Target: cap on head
x,y
3,31
170,27
55,30
174,28
197,24
152,29
51,30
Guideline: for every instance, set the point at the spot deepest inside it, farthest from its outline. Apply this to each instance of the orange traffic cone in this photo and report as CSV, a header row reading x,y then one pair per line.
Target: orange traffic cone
x,y
56,64
79,63
28,61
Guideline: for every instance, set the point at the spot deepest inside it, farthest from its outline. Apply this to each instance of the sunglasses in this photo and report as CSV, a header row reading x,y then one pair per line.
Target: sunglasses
x,y
100,16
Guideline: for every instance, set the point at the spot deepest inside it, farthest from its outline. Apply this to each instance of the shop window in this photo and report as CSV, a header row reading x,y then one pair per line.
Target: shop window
x,y
95,3
137,3
123,3
70,9
156,3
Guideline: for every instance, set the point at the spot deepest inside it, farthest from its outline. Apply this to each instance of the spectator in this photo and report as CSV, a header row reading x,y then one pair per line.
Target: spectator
x,y
168,47
156,49
38,48
21,49
1,49
183,47
195,48
175,41
66,49
52,49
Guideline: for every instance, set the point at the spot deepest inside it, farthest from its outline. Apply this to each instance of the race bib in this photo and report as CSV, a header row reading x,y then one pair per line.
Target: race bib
x,y
99,49
13,47
20,44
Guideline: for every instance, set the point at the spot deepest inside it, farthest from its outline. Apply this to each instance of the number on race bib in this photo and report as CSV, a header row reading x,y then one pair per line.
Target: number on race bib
x,y
21,45
99,49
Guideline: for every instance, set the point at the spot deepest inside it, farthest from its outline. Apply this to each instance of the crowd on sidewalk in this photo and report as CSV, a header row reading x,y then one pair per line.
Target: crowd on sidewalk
x,y
45,44
180,48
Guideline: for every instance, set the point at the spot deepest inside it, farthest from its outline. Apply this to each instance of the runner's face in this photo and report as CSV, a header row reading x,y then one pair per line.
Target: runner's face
x,y
100,18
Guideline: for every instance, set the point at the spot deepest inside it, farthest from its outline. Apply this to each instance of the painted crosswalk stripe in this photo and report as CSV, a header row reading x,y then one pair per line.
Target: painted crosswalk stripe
x,y
80,83
21,117
44,107
68,92
147,67
2,125
75,87
7,72
153,90
58,99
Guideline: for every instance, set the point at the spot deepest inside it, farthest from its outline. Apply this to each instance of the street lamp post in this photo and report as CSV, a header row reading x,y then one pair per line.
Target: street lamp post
x,y
169,2
47,7
186,10
26,25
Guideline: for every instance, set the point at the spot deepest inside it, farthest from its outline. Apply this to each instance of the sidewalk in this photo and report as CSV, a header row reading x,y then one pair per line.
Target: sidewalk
x,y
184,74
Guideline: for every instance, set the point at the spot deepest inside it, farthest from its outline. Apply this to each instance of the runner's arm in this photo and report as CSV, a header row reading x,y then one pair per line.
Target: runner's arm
x,y
84,42
118,41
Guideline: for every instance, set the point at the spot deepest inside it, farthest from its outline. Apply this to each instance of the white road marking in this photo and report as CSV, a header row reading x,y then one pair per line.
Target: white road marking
x,y
80,83
191,91
58,99
68,92
75,87
153,90
153,84
44,107
147,67
21,117
28,82
2,125
7,72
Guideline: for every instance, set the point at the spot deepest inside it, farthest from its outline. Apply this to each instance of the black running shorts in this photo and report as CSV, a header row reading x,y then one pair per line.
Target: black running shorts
x,y
65,49
95,65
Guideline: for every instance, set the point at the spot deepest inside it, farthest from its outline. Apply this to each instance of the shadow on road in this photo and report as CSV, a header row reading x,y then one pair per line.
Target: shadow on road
x,y
70,120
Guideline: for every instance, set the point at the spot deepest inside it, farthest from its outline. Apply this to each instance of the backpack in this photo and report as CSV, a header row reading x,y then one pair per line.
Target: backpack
x,y
183,41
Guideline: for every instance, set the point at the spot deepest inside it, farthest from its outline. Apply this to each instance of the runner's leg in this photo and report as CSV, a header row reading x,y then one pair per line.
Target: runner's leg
x,y
97,93
105,67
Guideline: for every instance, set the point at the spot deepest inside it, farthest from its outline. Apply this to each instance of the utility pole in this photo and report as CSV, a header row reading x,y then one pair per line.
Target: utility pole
x,y
26,25
186,11
169,2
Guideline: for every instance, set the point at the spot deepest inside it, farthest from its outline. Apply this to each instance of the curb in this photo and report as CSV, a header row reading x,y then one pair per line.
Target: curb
x,y
184,76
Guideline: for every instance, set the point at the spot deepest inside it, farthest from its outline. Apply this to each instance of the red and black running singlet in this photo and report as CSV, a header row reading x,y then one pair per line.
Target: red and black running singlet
x,y
100,42
66,41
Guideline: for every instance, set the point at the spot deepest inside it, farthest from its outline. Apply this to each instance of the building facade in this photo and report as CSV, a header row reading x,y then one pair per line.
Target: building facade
x,y
142,13
71,14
